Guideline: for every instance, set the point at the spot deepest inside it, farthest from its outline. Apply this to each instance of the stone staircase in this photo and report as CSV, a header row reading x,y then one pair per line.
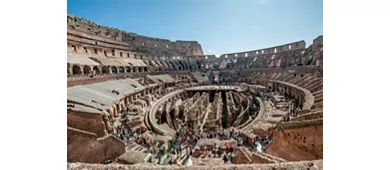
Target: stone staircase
x,y
278,76
247,152
275,116
317,93
300,79
270,157
308,83
165,159
317,105
132,145
289,78
318,99
317,83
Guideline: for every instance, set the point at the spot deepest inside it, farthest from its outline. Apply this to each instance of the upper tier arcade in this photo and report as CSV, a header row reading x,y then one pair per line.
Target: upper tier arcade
x,y
299,45
84,31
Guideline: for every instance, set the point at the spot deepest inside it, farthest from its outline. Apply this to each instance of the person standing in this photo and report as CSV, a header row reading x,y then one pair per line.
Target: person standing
x,y
121,136
225,159
179,150
147,147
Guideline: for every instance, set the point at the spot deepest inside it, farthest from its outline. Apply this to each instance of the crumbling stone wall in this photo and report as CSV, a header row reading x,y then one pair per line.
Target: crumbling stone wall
x,y
299,45
89,122
86,147
130,41
296,144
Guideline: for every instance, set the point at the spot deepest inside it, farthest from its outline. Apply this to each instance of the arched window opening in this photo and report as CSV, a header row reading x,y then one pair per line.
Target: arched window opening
x,y
128,69
87,70
105,70
121,70
96,70
76,70
114,70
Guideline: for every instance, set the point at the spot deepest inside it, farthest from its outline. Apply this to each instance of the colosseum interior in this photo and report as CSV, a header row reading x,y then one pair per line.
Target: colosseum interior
x,y
137,102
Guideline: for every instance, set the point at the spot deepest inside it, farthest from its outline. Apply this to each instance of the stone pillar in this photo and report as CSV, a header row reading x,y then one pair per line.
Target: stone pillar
x,y
107,123
110,69
70,71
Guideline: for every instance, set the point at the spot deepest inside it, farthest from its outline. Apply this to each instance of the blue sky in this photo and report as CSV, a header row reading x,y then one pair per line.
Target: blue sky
x,y
220,26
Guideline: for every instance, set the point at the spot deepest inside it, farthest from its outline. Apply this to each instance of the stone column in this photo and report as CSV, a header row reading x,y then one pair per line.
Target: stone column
x,y
110,69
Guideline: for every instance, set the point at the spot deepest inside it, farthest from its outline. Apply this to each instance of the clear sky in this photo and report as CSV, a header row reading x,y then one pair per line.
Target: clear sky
x,y
220,26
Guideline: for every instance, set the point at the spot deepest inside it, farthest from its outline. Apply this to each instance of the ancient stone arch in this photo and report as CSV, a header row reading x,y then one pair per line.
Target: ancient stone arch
x,y
159,66
166,67
186,65
176,65
180,65
121,70
76,70
87,69
105,70
171,66
128,69
140,69
114,70
96,70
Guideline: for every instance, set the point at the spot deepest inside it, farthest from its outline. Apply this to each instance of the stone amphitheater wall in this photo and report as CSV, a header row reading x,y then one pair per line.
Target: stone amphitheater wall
x,y
301,143
130,41
271,50
249,71
74,81
87,121
86,147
